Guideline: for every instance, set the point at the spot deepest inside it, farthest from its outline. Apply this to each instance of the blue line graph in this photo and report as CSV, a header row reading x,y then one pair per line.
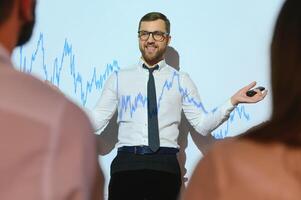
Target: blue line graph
x,y
220,134
54,76
240,111
126,102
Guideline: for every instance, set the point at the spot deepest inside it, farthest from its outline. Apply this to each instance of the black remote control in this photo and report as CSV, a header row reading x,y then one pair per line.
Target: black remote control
x,y
251,93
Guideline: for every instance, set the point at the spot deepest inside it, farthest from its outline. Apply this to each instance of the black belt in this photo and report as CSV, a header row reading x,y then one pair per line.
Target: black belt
x,y
142,150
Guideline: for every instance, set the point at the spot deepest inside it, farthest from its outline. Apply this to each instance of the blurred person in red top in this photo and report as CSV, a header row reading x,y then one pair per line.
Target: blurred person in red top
x,y
47,149
264,163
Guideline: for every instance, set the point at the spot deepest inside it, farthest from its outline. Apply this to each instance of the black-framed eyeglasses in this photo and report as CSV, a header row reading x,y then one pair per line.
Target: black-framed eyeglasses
x,y
157,35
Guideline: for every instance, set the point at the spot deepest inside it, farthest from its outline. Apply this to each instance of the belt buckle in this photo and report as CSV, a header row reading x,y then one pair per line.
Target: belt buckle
x,y
135,150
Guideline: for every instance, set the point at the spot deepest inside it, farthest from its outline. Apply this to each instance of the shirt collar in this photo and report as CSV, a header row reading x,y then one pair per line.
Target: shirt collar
x,y
161,64
4,55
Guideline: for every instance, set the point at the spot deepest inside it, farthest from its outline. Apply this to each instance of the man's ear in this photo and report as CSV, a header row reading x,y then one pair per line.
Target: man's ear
x,y
25,9
168,40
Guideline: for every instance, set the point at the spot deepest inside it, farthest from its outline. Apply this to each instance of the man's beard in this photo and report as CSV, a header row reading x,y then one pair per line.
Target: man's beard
x,y
27,29
154,58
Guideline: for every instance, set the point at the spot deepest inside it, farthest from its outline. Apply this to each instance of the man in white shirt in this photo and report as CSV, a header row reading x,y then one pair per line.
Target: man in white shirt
x,y
47,151
150,98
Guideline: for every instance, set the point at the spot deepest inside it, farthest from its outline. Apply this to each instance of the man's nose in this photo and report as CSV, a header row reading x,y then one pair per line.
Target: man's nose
x,y
151,38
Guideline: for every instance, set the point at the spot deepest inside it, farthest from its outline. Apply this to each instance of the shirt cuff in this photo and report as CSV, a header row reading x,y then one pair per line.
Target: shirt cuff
x,y
228,106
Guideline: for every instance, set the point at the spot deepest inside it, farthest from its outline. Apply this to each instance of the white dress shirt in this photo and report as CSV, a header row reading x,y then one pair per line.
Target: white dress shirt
x,y
126,91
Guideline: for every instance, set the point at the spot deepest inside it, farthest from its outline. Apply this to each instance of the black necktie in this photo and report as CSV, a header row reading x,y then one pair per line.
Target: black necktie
x,y
152,111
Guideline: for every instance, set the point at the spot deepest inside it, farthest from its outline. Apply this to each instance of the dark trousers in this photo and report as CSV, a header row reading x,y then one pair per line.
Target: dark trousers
x,y
144,185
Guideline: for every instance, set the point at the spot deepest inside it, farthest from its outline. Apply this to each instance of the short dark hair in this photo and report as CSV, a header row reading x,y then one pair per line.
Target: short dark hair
x,y
285,124
5,9
153,16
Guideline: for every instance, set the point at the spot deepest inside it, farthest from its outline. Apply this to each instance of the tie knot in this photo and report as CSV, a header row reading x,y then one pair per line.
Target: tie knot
x,y
151,69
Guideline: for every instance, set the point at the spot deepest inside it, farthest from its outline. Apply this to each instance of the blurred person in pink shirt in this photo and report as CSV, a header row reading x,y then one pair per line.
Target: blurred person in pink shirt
x,y
264,163
47,146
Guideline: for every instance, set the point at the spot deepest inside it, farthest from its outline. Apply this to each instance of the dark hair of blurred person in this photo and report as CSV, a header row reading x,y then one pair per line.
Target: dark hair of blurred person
x,y
285,124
